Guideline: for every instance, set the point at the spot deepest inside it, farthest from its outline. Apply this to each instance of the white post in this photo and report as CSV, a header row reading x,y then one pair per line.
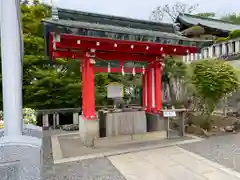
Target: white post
x,y
11,51
75,118
237,44
217,50
224,49
210,51
45,121
57,119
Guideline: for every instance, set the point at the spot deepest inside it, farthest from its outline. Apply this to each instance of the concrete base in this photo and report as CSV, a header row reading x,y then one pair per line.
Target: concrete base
x,y
155,122
33,130
29,130
20,158
89,130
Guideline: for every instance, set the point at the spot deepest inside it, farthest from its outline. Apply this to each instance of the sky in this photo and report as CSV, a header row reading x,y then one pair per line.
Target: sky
x,y
141,9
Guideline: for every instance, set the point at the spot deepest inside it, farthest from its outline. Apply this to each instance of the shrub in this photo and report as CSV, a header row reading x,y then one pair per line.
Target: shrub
x,y
234,34
29,117
222,39
213,79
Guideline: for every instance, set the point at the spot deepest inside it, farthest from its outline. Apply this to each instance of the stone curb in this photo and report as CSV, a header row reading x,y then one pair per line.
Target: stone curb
x,y
106,154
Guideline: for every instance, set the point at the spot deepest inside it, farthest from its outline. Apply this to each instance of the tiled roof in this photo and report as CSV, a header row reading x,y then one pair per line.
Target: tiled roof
x,y
74,15
117,29
207,22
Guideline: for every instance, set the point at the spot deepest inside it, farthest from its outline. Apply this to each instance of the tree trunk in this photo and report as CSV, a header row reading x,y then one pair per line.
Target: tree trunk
x,y
172,90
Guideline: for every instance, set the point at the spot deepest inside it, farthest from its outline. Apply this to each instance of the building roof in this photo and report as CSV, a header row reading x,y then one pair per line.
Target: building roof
x,y
119,28
115,29
191,20
74,15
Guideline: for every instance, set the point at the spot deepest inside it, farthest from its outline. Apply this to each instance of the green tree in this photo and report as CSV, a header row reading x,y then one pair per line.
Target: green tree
x,y
46,84
173,73
213,80
206,14
172,11
233,18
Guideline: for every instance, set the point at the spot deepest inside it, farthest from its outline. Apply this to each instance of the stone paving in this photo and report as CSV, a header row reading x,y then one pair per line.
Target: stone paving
x,y
224,150
171,163
94,169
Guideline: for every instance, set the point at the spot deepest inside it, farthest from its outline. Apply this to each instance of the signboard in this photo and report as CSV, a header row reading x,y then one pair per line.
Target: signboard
x,y
169,114
115,90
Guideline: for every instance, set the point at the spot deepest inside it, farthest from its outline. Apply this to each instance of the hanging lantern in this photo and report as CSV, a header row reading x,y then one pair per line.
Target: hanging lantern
x,y
109,68
143,70
123,73
133,71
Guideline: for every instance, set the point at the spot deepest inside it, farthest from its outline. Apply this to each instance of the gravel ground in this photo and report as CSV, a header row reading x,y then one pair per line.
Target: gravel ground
x,y
93,169
224,150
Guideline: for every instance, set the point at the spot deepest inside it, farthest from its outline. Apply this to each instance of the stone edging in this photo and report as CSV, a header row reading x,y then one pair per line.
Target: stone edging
x,y
57,153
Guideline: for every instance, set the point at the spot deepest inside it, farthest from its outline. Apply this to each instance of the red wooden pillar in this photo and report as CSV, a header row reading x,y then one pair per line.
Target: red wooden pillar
x,y
149,89
84,84
158,87
144,91
88,89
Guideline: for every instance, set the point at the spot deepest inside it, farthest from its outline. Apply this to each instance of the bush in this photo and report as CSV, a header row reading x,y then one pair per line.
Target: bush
x,y
213,79
222,39
29,117
234,34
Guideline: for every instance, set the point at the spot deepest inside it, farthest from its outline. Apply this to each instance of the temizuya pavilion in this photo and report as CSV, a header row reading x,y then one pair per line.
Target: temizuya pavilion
x,y
91,37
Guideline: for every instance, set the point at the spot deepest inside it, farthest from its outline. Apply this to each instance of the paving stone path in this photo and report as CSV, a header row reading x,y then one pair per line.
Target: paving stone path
x,y
170,163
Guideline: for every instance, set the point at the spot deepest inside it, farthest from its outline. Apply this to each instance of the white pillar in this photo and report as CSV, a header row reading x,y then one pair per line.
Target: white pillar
x,y
230,49
57,119
217,50
210,51
191,57
11,50
196,56
153,88
224,51
45,120
75,118
237,46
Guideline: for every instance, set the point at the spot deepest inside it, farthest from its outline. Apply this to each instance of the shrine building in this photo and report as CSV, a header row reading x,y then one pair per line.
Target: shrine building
x,y
92,37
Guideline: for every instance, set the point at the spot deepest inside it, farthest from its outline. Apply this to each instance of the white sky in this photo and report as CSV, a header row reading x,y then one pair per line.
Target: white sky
x,y
141,9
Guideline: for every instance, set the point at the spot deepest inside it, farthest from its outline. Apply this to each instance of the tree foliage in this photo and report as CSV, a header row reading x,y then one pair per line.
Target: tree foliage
x,y
206,14
233,18
174,71
48,84
172,11
213,79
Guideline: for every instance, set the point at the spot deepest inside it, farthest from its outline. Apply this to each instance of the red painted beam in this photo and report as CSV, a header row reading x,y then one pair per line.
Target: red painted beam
x,y
104,55
104,44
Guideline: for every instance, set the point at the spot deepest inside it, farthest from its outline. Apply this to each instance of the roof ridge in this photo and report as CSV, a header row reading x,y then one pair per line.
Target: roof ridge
x,y
112,16
205,18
